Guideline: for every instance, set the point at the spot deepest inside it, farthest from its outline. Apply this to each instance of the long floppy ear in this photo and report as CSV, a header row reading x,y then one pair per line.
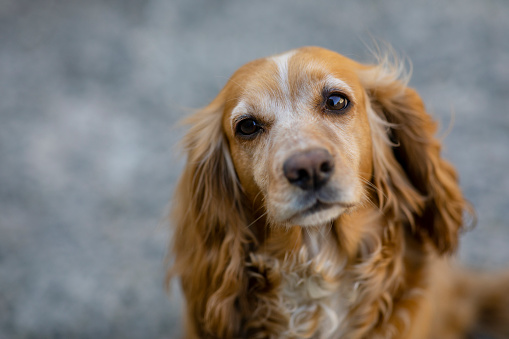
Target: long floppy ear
x,y
210,230
416,185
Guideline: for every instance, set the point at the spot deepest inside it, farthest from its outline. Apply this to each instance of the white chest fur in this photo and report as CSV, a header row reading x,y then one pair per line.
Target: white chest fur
x,y
311,290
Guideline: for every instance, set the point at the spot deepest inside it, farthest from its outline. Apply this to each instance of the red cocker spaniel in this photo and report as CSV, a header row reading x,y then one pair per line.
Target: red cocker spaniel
x,y
315,204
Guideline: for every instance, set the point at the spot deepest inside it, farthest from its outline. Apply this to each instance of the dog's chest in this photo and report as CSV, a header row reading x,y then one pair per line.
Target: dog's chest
x,y
312,295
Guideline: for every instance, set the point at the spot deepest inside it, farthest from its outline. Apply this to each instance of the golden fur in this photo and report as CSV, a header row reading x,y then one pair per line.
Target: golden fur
x,y
253,263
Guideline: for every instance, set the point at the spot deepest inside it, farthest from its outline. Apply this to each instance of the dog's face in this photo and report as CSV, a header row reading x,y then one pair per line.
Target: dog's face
x,y
299,135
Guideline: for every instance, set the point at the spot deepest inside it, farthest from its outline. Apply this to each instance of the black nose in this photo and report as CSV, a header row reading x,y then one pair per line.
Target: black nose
x,y
309,169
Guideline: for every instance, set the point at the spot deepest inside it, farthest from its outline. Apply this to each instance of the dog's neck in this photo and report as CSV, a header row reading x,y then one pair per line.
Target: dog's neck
x,y
316,274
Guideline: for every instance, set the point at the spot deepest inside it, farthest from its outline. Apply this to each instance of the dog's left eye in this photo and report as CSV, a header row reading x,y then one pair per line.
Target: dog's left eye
x,y
248,127
336,102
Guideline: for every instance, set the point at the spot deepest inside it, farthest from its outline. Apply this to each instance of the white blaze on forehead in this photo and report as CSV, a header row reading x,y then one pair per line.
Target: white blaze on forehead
x,y
282,67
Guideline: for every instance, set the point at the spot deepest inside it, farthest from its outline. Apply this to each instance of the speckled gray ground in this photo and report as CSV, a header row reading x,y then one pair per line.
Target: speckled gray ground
x,y
89,95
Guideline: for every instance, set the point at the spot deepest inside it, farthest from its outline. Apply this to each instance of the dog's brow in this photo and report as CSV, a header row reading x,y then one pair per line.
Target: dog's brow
x,y
335,83
239,110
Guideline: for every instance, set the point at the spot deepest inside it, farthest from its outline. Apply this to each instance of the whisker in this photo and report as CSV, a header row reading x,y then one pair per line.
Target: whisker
x,y
261,216
263,201
371,185
307,231
331,225
367,201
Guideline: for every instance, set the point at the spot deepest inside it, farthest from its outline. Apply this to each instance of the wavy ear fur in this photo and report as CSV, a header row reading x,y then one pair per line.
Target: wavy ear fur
x,y
210,230
415,184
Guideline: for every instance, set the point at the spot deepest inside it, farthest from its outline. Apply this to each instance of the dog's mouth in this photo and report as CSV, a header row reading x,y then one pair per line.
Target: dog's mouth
x,y
317,207
319,213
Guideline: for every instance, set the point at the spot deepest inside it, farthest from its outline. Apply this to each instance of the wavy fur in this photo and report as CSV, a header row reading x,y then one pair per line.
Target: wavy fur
x,y
374,268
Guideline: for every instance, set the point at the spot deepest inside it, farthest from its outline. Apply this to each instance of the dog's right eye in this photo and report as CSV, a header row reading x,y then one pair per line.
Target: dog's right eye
x,y
248,127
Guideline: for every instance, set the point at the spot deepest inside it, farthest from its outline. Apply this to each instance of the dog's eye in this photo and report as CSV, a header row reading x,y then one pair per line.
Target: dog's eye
x,y
248,127
336,102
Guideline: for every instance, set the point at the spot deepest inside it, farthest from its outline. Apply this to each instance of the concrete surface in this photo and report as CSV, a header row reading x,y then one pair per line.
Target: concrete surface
x,y
90,92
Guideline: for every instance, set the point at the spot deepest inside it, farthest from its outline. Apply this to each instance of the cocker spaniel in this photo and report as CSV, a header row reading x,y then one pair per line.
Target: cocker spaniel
x,y
315,204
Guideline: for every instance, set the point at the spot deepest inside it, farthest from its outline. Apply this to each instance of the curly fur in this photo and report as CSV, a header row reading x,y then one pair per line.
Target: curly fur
x,y
377,269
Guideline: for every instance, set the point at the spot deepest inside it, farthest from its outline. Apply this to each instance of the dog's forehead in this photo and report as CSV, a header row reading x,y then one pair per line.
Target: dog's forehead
x,y
292,78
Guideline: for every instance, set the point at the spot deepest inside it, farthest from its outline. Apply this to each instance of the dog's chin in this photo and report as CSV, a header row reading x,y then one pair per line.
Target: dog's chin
x,y
318,215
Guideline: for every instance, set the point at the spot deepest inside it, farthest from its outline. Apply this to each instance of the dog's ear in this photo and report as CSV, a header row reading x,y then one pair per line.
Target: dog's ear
x,y
209,227
415,183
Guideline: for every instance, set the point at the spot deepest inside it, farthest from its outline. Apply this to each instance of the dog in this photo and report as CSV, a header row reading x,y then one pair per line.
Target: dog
x,y
315,204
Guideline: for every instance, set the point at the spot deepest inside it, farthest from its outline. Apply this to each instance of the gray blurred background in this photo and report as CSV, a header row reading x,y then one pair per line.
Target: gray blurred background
x,y
90,92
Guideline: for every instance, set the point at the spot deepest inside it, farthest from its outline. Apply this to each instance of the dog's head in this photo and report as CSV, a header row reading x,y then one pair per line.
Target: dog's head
x,y
301,139
299,135
309,135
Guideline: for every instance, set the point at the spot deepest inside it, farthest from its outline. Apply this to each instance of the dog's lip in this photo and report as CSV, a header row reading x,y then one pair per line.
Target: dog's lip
x,y
318,206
